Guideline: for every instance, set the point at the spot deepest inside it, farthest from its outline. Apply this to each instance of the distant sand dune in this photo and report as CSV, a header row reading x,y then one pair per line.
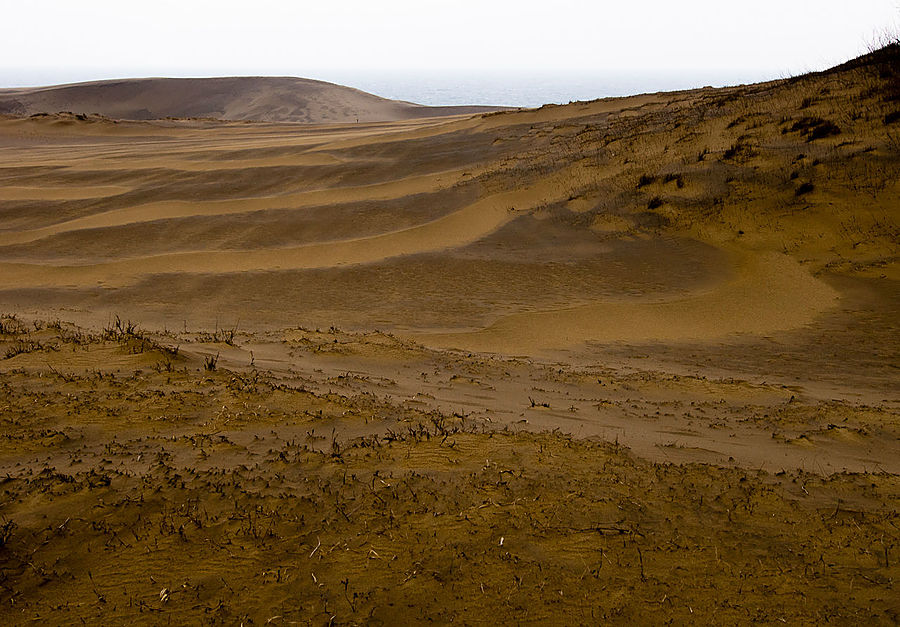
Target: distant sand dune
x,y
269,99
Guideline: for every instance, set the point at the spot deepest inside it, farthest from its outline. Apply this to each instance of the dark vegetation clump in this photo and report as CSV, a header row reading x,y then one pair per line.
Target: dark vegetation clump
x,y
826,129
887,59
804,189
120,330
10,325
646,179
22,347
679,179
739,149
655,202
210,362
814,128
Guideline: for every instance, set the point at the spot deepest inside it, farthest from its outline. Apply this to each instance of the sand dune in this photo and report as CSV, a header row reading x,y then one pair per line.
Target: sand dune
x,y
267,99
179,209
769,293
443,368
563,167
462,227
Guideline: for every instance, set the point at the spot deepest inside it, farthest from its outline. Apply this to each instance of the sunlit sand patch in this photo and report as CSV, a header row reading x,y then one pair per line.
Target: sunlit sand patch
x,y
199,164
768,293
428,127
67,192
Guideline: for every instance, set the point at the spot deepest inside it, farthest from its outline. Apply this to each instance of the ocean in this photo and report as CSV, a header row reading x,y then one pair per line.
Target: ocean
x,y
509,88
527,89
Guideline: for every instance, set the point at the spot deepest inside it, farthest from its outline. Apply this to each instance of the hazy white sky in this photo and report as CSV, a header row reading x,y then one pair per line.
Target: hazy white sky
x,y
79,40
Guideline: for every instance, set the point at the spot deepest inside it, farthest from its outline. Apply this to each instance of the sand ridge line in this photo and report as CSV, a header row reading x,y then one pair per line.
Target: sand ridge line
x,y
147,165
433,127
174,146
183,162
451,231
175,154
313,140
173,209
769,293
200,164
61,192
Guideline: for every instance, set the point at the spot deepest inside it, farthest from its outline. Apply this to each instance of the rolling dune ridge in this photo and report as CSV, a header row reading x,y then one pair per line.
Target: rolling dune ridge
x,y
267,99
628,360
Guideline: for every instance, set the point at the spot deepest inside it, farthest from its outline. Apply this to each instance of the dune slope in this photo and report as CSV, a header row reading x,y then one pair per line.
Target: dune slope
x,y
270,99
629,360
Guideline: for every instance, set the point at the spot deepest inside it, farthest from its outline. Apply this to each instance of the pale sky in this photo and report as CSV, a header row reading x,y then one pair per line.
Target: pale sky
x,y
60,41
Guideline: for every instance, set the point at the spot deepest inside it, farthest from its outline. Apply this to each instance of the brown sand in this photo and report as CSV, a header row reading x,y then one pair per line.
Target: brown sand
x,y
626,360
770,293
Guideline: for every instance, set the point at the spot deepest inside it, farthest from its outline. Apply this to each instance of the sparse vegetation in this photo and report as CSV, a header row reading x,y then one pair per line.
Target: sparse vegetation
x,y
645,179
271,516
210,361
23,346
333,474
814,128
119,331
677,178
10,325
741,149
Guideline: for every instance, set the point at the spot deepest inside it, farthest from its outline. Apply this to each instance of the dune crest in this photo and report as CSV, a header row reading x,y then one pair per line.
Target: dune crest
x,y
255,98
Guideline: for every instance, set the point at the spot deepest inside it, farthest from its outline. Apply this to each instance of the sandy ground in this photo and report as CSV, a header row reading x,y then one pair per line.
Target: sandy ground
x,y
632,359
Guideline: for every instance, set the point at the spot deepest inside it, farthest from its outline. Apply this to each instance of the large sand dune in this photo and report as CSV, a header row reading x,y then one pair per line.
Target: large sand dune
x,y
625,360
271,99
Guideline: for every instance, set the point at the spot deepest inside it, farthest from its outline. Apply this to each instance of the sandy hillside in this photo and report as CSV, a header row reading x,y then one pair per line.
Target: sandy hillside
x,y
629,360
270,99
